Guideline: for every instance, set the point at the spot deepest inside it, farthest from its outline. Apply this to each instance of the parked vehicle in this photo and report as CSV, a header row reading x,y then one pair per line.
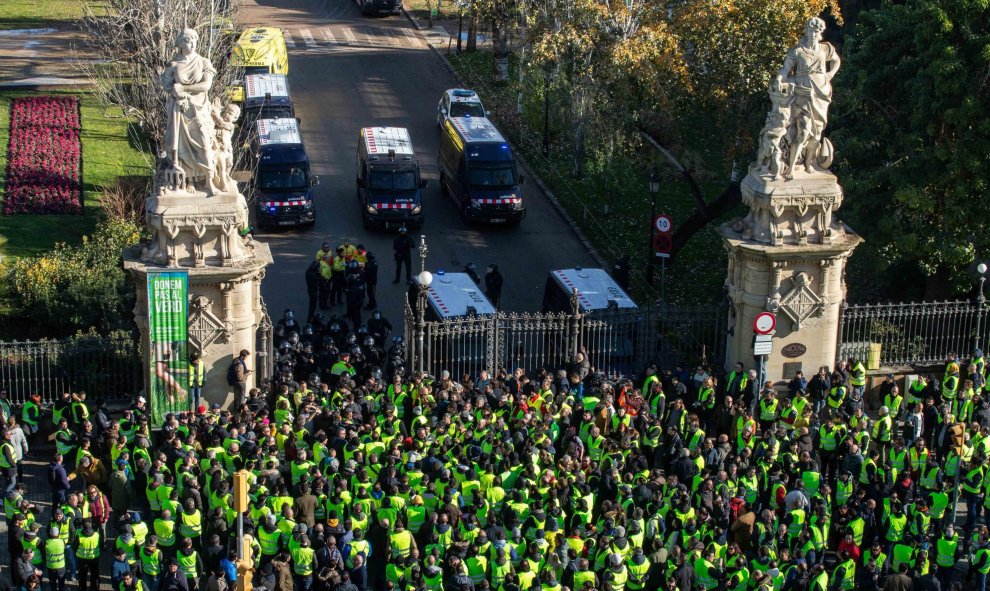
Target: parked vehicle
x,y
478,171
259,50
389,186
282,185
459,102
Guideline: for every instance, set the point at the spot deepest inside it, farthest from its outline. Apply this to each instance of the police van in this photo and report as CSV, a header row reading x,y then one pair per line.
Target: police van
x,y
478,171
282,185
266,96
596,290
259,50
389,186
451,295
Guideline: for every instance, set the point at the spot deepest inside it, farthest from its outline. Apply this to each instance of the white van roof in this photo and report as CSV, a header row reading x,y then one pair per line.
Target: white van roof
x,y
379,140
256,86
451,294
476,129
278,131
596,288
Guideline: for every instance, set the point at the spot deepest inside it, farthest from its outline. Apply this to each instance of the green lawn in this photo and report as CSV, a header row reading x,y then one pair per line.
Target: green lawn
x,y
36,14
611,202
107,154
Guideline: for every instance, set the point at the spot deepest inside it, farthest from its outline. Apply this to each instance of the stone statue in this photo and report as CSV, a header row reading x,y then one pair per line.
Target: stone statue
x,y
189,135
800,93
224,119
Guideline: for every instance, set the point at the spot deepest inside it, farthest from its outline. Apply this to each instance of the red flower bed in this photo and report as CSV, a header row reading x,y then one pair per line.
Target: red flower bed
x,y
43,163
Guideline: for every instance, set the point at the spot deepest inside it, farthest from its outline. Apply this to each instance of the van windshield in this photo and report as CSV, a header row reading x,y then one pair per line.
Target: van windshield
x,y
250,70
466,110
492,175
283,178
392,180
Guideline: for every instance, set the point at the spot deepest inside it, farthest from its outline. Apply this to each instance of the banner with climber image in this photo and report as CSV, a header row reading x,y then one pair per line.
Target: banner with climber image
x,y
168,312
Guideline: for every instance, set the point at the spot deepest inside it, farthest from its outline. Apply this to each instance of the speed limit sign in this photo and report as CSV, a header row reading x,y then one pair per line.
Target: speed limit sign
x,y
662,224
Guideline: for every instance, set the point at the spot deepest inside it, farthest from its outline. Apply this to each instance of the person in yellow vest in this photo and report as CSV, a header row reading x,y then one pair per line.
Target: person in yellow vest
x,y
197,377
616,577
150,560
950,379
402,542
191,523
705,573
55,560
303,563
638,567
883,431
190,563
164,527
88,557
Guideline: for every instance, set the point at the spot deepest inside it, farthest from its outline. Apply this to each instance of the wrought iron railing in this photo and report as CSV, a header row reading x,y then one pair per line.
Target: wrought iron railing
x,y
915,334
615,341
105,367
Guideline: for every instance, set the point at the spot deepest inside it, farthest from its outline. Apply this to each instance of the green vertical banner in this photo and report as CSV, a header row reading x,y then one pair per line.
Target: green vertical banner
x,y
168,312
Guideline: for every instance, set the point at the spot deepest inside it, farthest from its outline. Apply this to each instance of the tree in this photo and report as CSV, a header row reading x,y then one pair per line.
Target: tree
x,y
133,40
913,135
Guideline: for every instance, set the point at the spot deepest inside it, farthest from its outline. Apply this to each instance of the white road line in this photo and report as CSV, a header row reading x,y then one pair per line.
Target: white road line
x,y
393,38
413,37
289,41
307,37
328,35
350,35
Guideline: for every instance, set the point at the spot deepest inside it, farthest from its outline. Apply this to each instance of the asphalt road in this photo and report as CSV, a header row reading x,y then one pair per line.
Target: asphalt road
x,y
347,72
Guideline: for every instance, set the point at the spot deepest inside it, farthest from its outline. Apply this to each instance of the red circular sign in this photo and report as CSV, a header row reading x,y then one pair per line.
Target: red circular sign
x,y
764,323
662,243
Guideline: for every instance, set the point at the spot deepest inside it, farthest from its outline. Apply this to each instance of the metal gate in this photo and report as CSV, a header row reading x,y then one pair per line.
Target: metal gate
x,y
614,341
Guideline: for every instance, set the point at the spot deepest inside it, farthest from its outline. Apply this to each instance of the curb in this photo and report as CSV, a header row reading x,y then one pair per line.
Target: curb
x,y
30,84
554,202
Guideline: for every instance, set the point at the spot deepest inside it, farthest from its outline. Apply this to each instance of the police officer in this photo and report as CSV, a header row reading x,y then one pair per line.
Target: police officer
x,y
493,284
402,246
313,281
354,293
370,276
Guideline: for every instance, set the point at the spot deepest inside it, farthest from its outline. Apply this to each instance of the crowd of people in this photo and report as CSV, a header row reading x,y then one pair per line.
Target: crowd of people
x,y
366,477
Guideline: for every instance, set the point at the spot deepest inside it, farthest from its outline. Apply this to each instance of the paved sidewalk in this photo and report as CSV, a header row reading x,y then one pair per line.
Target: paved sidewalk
x,y
42,57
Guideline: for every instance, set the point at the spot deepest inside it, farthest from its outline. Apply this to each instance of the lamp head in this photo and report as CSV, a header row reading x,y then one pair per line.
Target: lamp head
x,y
425,278
654,181
981,268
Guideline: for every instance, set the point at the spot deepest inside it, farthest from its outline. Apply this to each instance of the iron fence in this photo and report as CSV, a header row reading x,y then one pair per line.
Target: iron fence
x,y
615,341
105,367
915,334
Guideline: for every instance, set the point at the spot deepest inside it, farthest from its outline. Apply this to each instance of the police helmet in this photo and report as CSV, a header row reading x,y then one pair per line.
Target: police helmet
x,y
314,380
377,314
289,314
397,339
293,337
307,348
351,338
355,350
362,330
369,341
284,346
334,326
308,330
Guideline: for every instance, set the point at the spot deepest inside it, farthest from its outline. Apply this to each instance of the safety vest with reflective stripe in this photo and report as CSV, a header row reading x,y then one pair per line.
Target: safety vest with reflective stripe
x,y
89,546
165,530
357,547
617,579
54,554
849,575
401,543
636,574
191,524
151,564
268,541
187,564
895,530
302,561
945,551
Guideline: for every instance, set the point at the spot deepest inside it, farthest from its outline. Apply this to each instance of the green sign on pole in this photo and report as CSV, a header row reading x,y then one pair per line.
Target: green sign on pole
x,y
168,311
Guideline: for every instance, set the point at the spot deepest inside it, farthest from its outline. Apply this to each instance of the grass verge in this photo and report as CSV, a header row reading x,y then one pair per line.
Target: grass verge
x,y
35,14
106,154
610,203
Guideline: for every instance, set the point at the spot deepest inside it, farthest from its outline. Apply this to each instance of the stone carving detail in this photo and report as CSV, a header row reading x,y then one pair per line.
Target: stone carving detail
x,y
224,119
204,326
792,141
801,302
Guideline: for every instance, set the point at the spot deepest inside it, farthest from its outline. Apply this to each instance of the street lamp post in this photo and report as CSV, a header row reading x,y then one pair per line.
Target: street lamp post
x,y
425,279
654,187
981,301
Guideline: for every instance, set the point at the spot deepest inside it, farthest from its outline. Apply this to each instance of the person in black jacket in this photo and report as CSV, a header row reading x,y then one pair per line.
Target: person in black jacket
x,y
370,276
402,246
493,284
313,280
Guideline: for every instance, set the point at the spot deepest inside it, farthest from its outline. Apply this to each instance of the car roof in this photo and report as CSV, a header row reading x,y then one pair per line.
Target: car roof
x,y
462,95
278,132
595,287
476,129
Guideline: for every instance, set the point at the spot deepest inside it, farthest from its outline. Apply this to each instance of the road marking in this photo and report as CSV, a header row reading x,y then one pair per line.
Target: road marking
x,y
328,35
289,41
393,38
350,35
413,37
307,37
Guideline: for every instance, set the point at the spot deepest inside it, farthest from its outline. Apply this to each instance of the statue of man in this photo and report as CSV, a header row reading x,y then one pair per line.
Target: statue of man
x,y
810,67
189,135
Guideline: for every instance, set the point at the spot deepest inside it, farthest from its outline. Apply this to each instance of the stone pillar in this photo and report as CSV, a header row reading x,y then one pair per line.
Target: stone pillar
x,y
201,234
788,256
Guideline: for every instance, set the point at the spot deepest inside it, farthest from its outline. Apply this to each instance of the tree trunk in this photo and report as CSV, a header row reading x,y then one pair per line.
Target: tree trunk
x,y
729,198
500,50
472,35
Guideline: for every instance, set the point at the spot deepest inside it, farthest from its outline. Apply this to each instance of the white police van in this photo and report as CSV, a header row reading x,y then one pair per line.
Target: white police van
x,y
451,295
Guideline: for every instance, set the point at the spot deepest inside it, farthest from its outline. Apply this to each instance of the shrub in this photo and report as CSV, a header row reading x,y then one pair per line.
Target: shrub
x,y
80,286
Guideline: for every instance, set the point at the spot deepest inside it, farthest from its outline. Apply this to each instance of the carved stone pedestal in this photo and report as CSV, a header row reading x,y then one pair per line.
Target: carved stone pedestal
x,y
202,235
788,256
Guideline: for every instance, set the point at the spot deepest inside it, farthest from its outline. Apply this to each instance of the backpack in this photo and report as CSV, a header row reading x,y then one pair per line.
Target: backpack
x,y
232,373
